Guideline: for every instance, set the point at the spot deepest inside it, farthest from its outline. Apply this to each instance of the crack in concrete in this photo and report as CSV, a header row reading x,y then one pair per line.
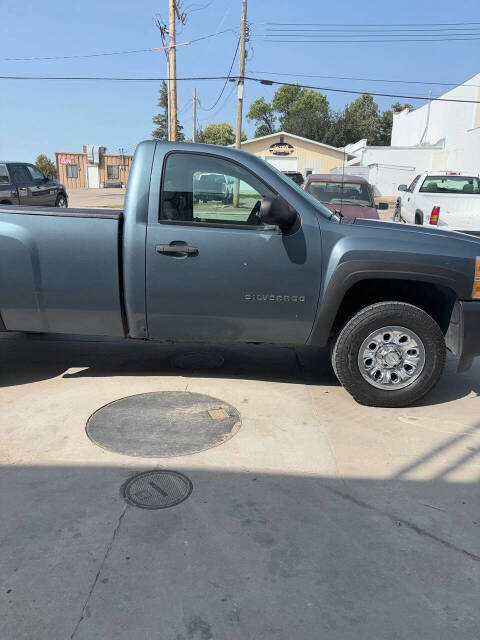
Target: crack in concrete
x,y
406,523
99,572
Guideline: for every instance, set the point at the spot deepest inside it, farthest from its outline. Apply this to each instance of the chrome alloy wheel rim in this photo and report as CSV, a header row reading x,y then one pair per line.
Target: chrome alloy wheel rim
x,y
391,358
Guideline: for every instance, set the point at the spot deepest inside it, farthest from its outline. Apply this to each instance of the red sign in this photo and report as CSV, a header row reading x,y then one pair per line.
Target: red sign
x,y
64,160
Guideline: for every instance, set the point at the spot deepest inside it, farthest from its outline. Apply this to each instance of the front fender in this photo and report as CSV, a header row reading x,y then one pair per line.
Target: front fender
x,y
383,251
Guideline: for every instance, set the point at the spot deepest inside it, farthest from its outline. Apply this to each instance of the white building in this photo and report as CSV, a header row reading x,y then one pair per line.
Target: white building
x,y
442,135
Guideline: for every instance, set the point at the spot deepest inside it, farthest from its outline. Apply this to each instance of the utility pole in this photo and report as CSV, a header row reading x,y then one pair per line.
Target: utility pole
x,y
172,70
241,73
194,116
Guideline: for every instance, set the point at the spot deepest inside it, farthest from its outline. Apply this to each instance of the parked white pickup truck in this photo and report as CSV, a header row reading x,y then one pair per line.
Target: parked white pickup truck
x,y
442,199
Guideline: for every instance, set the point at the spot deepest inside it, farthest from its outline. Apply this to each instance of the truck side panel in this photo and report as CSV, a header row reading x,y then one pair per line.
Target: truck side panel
x,y
60,273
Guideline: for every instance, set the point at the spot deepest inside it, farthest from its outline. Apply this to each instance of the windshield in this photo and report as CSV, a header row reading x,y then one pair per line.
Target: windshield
x,y
341,193
306,196
450,184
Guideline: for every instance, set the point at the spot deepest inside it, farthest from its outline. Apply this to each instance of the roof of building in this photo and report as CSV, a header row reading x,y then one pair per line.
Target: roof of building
x,y
292,135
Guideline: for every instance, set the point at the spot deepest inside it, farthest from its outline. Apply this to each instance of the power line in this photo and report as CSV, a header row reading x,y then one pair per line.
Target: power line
x,y
370,24
87,55
391,40
250,78
422,82
367,30
113,53
226,81
358,92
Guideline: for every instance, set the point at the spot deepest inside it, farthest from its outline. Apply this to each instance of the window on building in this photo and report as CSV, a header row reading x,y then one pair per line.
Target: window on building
x,y
71,170
113,171
4,177
201,189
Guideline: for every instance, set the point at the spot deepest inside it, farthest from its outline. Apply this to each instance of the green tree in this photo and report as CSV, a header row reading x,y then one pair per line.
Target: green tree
x,y
303,112
362,119
397,107
46,166
308,116
161,119
218,133
263,115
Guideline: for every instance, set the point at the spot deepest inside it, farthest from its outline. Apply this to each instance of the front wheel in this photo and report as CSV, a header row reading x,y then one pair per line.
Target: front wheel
x,y
61,201
390,354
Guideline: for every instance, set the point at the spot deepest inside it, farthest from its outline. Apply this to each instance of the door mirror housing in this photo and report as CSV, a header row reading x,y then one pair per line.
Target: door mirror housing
x,y
382,206
277,211
402,187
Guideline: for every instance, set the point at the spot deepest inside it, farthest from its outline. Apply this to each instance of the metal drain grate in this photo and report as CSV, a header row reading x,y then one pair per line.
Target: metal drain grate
x,y
157,489
198,360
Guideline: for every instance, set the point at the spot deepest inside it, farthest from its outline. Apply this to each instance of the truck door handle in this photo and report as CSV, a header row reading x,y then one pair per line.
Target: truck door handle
x,y
176,249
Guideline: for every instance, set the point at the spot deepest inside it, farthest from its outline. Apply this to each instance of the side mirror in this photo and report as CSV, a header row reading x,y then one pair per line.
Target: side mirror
x,y
382,206
277,211
402,187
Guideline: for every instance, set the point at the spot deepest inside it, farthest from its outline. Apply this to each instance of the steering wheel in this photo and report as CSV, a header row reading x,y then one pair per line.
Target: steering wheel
x,y
253,217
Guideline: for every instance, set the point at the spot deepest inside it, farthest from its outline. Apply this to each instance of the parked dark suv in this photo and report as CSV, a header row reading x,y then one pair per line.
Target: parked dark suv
x,y
22,183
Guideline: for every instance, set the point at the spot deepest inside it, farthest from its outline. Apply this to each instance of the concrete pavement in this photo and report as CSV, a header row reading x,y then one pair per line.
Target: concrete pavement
x,y
318,519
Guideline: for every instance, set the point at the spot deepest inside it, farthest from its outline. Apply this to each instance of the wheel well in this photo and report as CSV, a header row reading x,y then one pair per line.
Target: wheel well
x,y
419,217
434,299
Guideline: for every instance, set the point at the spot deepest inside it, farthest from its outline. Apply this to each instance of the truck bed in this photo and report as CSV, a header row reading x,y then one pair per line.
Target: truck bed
x,y
60,270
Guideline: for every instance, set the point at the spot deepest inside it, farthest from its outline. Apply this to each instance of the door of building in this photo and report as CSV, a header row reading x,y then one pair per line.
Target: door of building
x,y
92,176
283,163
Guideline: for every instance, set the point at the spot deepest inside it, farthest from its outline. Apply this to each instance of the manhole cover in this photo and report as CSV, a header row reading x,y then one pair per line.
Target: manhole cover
x,y
163,424
157,489
198,360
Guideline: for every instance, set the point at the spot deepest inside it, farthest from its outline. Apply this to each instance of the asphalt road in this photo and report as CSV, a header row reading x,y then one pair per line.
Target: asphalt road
x,y
318,519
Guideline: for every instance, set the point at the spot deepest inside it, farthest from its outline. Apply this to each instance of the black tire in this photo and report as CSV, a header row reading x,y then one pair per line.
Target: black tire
x,y
61,201
358,328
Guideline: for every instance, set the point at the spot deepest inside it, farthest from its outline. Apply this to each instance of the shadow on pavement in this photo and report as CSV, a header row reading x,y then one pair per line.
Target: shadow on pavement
x,y
248,555
28,358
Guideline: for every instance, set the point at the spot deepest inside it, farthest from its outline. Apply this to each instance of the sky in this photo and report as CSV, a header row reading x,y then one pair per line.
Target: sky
x,y
48,116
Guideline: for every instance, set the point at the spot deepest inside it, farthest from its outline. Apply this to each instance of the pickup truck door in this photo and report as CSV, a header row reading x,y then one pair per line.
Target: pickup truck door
x,y
408,202
23,181
215,272
8,191
41,189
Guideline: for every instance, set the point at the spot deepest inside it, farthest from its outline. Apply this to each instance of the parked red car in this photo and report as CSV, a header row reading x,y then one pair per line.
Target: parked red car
x,y
351,195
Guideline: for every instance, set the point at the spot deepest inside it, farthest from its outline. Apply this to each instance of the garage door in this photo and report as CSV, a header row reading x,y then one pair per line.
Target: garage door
x,y
283,164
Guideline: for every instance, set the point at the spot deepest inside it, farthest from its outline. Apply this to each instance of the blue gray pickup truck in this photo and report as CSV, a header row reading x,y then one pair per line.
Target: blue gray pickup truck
x,y
273,265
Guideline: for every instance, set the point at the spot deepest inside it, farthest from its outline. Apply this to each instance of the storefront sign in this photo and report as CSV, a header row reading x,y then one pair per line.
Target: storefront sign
x,y
64,160
281,149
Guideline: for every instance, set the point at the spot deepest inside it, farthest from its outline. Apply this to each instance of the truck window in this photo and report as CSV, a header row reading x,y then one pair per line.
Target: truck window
x,y
20,175
202,189
450,184
4,177
412,185
35,174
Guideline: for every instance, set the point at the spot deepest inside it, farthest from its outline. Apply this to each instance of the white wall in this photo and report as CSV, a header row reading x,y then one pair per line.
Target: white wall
x,y
383,178
420,158
449,120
